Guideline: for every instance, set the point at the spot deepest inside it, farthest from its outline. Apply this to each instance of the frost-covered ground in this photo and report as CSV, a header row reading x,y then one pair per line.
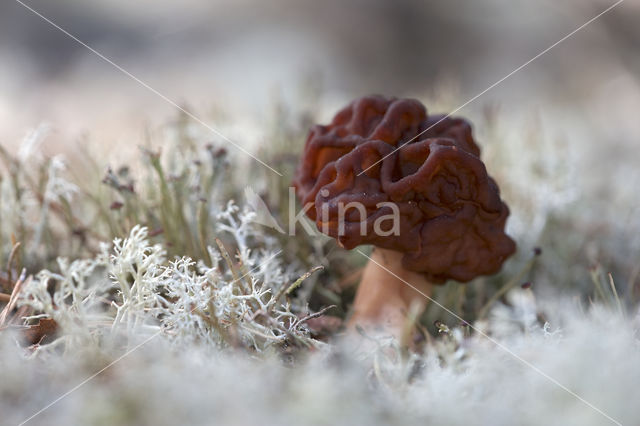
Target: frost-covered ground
x,y
158,278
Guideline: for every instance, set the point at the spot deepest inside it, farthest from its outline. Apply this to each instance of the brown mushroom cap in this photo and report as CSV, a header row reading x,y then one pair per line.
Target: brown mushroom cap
x,y
372,117
451,215
456,128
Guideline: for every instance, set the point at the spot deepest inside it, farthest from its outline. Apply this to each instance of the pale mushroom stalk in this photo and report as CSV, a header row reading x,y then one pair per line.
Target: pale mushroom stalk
x,y
388,292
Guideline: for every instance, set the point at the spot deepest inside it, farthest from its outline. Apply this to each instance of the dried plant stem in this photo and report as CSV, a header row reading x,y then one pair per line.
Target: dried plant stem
x,y
5,319
505,288
595,277
615,294
315,314
12,255
227,259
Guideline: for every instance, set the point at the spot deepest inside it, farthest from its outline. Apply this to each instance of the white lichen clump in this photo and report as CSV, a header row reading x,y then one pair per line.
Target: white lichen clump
x,y
132,291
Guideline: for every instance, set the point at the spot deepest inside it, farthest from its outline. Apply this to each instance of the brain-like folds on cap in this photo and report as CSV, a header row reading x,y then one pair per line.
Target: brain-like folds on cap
x,y
359,171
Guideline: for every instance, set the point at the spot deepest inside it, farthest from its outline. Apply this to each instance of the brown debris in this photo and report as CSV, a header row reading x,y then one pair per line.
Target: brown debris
x,y
43,332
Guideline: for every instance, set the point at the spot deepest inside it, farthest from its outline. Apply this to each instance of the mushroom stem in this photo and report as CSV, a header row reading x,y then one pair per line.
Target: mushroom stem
x,y
384,298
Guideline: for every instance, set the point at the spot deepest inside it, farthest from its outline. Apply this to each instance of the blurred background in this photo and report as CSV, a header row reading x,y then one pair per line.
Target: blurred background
x,y
238,55
569,120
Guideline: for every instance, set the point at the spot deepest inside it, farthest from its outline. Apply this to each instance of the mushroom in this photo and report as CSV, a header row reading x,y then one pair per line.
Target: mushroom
x,y
428,206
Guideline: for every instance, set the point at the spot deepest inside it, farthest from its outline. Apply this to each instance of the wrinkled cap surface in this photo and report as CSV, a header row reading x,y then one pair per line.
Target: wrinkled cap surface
x,y
451,218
